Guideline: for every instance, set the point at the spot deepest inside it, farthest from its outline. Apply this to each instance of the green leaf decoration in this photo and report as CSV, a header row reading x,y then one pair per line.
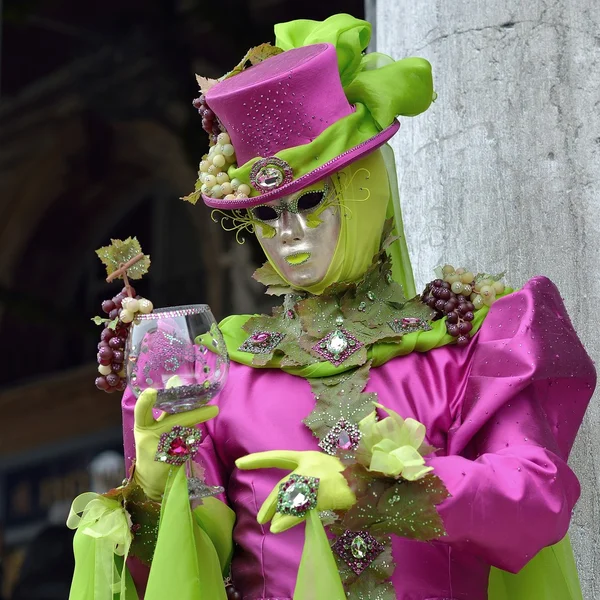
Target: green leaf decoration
x,y
121,251
408,509
268,276
205,83
339,396
143,514
369,588
253,56
193,197
99,320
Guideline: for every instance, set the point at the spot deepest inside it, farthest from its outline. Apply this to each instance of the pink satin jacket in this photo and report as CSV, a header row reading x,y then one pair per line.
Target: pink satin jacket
x,y
504,412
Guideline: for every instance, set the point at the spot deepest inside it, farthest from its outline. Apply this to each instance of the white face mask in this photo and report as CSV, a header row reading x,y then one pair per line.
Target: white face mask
x,y
300,247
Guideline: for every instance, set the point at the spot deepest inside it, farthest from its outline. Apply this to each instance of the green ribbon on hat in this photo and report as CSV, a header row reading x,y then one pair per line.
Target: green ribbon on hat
x,y
380,88
386,87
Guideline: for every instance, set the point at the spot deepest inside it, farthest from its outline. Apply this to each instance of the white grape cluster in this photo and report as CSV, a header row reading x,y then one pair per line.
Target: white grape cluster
x,y
131,306
213,172
481,289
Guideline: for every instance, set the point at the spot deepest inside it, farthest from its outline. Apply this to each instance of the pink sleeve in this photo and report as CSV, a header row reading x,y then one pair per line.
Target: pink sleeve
x,y
528,388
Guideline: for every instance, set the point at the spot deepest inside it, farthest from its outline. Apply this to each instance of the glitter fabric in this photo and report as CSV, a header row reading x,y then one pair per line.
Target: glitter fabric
x,y
358,549
178,445
297,495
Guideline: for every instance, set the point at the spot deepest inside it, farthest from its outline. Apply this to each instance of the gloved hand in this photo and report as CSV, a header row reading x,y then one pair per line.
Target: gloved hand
x,y
333,492
150,474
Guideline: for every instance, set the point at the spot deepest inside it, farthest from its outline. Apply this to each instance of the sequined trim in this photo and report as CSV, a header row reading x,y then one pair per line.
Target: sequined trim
x,y
176,311
409,325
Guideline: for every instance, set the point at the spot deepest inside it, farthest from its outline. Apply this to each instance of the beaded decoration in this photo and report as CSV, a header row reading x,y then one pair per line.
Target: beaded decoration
x,y
337,346
409,325
358,549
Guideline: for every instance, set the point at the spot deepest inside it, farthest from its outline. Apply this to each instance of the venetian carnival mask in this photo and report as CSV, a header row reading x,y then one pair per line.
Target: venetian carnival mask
x,y
301,233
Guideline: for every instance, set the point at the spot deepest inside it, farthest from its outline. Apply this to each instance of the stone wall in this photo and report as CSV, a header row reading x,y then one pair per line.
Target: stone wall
x,y
503,172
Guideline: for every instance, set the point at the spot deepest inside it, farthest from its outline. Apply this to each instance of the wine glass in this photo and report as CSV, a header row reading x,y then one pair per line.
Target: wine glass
x,y
179,352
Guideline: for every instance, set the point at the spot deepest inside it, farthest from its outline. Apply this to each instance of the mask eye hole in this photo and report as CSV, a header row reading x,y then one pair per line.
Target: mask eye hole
x,y
310,200
265,213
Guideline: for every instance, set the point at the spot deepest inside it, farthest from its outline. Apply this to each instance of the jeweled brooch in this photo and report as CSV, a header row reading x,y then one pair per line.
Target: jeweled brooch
x,y
178,445
337,346
342,436
270,173
262,342
409,325
297,495
358,549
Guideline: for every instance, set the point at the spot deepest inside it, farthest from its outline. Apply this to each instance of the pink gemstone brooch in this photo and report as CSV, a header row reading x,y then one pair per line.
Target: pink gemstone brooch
x,y
178,445
262,342
342,436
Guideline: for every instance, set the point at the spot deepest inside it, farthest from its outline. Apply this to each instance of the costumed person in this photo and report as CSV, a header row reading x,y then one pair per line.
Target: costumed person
x,y
370,443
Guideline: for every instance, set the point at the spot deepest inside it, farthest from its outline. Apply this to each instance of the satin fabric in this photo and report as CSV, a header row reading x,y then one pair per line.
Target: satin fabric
x,y
504,412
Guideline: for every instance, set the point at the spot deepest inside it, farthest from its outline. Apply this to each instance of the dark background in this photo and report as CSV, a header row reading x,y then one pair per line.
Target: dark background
x,y
98,140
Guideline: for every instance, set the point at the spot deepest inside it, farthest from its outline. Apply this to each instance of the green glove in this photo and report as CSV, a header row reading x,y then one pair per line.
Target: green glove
x,y
333,493
150,474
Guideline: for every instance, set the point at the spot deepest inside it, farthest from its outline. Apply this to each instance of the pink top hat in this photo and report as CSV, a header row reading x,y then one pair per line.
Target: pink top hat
x,y
285,101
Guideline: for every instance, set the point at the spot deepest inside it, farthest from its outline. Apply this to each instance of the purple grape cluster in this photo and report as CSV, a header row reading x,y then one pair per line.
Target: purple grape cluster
x,y
111,349
210,122
232,593
457,309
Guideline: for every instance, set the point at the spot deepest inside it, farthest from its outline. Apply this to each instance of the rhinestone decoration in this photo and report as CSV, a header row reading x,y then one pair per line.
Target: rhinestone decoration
x,y
337,346
197,489
358,549
179,444
297,495
342,436
262,342
409,325
270,173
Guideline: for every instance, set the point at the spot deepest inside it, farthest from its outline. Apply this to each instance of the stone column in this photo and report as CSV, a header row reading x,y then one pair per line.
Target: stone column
x,y
503,172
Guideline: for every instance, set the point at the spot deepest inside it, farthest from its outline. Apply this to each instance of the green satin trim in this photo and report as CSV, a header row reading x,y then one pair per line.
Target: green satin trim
x,y
379,353
187,563
550,575
318,574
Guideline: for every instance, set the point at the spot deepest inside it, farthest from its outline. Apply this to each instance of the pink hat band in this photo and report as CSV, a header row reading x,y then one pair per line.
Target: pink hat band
x,y
282,102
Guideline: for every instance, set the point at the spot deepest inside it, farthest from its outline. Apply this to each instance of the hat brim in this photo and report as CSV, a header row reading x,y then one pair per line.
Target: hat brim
x,y
326,169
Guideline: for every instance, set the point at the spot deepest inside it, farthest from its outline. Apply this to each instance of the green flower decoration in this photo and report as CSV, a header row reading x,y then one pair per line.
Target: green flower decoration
x,y
393,446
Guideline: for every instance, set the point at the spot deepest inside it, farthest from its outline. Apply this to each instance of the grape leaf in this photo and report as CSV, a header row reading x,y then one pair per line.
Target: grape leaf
x,y
253,56
121,251
204,83
268,276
